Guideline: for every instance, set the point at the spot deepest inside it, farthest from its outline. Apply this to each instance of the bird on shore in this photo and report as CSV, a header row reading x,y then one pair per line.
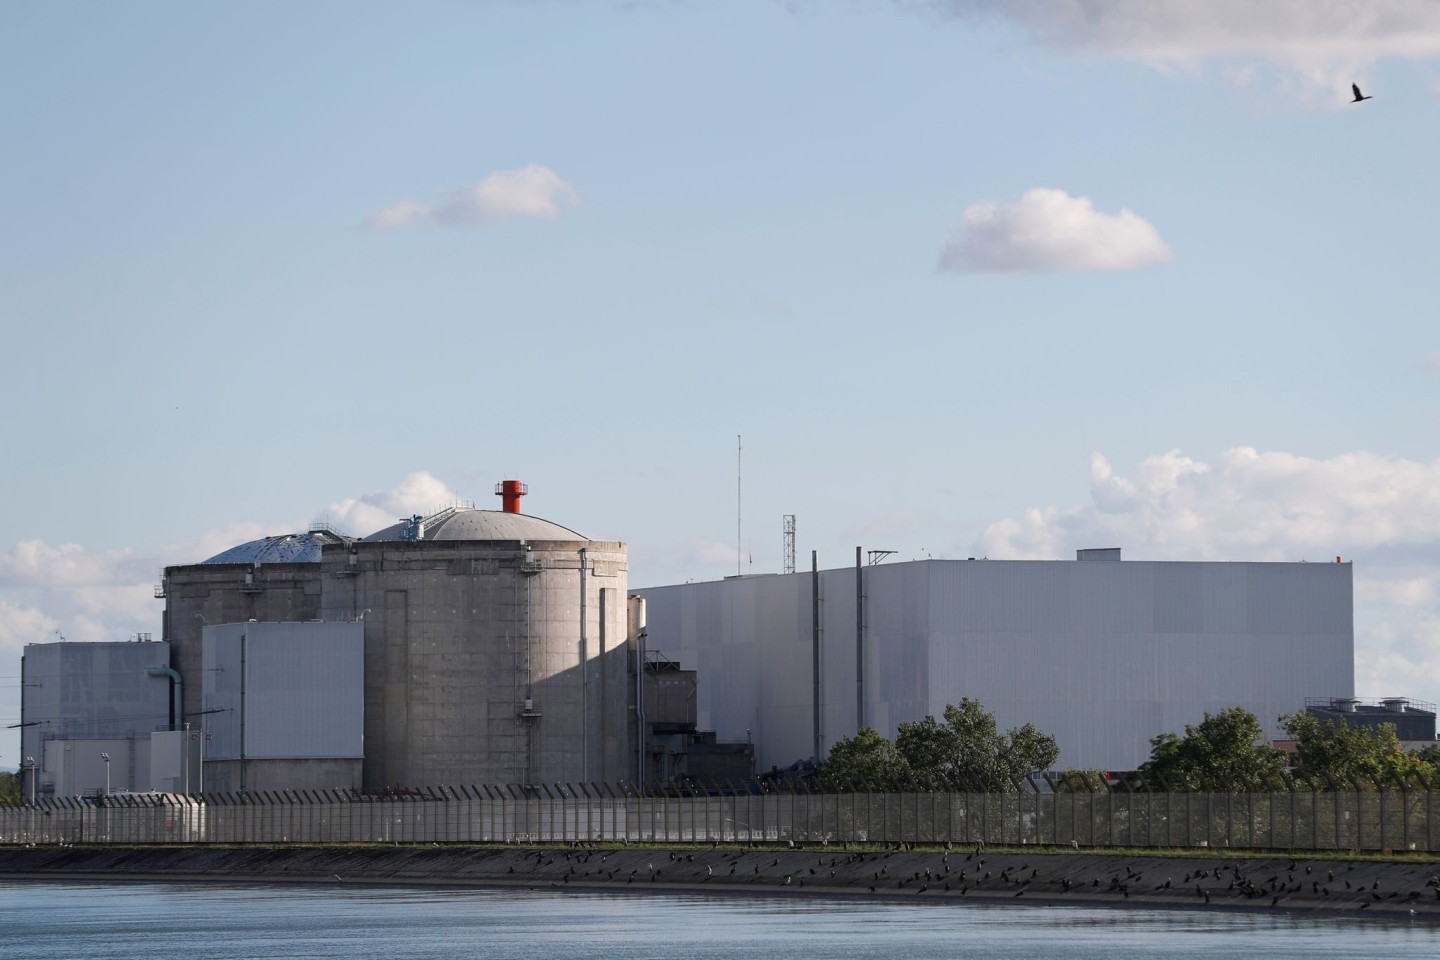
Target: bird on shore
x,y
1358,95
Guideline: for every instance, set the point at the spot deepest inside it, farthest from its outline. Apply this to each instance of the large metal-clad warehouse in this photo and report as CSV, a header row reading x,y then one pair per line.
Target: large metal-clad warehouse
x,y
1101,654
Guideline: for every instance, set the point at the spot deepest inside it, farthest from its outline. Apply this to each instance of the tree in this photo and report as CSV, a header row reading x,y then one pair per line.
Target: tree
x,y
1223,753
9,788
866,761
967,751
1334,752
964,752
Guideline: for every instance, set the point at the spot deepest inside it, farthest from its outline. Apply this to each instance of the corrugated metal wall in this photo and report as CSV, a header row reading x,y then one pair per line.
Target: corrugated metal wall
x,y
303,690
1102,655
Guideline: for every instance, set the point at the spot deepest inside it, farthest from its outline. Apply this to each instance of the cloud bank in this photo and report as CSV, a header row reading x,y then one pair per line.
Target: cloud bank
x,y
419,492
1049,231
1320,44
1382,513
530,191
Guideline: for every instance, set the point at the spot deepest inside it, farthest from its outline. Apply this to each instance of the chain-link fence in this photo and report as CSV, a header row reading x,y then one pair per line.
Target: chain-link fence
x,y
1359,819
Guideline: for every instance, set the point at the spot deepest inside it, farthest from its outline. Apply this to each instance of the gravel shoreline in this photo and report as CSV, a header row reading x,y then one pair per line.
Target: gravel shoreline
x,y
1407,888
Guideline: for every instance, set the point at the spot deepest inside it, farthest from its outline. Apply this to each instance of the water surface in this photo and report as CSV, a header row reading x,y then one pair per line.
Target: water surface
x,y
130,921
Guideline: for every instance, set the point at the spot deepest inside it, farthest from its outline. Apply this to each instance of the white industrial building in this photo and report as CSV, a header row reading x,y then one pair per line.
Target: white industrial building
x,y
1099,653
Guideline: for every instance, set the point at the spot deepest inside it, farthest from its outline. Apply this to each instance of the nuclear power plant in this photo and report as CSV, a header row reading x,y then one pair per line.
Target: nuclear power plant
x,y
470,646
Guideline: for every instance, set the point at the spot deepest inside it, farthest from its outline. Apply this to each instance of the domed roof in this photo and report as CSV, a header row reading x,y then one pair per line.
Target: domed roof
x,y
467,523
286,548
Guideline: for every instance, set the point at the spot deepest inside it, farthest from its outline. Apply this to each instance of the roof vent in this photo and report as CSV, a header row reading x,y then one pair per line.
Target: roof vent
x,y
1395,704
1098,553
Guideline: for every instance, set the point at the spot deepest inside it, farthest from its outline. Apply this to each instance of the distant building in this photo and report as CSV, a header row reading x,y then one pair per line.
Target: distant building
x,y
1413,720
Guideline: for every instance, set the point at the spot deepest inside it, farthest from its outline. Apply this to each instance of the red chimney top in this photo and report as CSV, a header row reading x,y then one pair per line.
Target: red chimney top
x,y
510,492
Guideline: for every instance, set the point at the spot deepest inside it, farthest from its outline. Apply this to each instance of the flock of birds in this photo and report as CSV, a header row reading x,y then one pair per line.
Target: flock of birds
x,y
890,870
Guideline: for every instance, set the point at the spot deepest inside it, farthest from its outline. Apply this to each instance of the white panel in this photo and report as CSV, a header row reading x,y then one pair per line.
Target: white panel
x,y
220,703
303,688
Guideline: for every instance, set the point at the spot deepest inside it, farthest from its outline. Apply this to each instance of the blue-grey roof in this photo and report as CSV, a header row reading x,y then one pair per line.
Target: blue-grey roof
x,y
287,548
464,523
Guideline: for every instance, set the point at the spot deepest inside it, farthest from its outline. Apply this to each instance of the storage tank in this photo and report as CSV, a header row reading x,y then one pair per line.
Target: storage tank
x,y
494,648
270,579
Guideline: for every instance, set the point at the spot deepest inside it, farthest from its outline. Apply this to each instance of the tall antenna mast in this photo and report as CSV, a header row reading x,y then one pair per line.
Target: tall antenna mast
x,y
739,542
788,555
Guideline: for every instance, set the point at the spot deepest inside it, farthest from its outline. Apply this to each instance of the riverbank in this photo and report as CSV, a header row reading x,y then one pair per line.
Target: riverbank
x,y
1407,887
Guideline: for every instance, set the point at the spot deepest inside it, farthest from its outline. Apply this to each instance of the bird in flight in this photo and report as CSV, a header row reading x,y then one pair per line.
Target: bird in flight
x,y
1358,95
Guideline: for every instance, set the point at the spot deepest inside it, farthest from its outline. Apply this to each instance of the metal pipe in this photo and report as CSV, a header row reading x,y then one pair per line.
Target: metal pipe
x,y
584,681
177,691
815,644
242,713
859,643
602,611
635,610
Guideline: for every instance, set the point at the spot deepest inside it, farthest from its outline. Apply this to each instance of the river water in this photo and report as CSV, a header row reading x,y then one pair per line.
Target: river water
x,y
48,921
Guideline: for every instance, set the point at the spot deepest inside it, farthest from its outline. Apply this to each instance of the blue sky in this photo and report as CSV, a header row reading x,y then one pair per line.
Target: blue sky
x,y
970,278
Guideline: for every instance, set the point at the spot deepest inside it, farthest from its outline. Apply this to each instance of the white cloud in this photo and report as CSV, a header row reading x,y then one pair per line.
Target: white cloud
x,y
1380,512
1320,46
36,563
530,191
1048,230
66,591
1430,363
419,492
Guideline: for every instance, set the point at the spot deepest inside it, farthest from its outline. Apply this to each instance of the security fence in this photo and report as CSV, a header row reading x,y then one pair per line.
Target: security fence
x,y
1388,820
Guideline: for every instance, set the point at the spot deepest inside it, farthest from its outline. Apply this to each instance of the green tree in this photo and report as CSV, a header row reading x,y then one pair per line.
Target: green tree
x,y
866,761
1332,751
965,751
1223,753
9,787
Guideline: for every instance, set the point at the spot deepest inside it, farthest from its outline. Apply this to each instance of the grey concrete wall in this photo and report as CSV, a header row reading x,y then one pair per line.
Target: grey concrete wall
x,y
459,634
223,776
200,594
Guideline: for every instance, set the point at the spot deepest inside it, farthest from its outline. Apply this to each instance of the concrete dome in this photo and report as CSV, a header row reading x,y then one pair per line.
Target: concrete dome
x,y
286,548
467,523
